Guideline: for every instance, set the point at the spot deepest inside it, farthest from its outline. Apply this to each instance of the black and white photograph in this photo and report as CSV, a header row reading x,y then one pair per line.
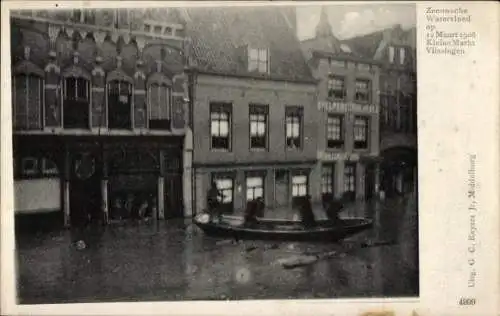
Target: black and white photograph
x,y
215,152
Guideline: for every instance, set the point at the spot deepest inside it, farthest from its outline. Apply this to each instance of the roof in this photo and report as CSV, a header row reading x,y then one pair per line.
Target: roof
x,y
371,45
221,35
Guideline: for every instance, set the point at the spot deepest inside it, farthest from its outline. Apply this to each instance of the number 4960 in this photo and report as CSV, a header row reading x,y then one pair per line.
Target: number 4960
x,y
467,301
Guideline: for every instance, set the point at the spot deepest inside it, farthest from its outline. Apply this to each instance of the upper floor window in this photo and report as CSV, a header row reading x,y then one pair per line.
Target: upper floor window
x,y
121,18
360,132
255,187
334,134
35,167
76,92
258,126
159,100
391,54
402,55
27,101
362,91
119,104
220,126
258,60
336,88
293,126
83,16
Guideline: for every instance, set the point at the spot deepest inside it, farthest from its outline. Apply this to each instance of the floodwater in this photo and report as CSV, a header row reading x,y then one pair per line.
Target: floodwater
x,y
173,260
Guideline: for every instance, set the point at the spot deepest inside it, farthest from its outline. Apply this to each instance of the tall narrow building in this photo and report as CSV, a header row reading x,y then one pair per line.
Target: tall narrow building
x,y
348,121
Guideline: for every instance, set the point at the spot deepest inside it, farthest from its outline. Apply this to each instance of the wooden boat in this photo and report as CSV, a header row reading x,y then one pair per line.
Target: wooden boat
x,y
281,230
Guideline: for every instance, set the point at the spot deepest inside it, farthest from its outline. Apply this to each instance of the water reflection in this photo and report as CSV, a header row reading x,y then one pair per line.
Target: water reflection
x,y
173,260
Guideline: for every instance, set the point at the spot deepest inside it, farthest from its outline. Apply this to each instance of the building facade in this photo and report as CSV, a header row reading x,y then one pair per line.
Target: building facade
x,y
348,120
395,50
255,109
100,113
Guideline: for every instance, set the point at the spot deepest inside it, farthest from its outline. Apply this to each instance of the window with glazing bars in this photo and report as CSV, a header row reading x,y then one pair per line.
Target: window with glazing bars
x,y
362,91
220,126
258,126
361,132
293,127
336,88
334,131
27,102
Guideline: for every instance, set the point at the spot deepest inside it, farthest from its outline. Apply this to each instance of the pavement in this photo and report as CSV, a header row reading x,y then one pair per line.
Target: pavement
x,y
173,260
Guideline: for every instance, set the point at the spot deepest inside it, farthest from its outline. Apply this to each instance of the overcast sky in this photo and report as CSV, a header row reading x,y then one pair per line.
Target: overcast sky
x,y
352,20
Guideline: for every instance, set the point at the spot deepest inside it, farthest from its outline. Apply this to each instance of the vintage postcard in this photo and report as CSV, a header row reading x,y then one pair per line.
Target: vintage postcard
x,y
222,158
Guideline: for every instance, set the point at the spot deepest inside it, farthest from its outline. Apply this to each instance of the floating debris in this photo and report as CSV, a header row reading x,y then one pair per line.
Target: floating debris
x,y
80,245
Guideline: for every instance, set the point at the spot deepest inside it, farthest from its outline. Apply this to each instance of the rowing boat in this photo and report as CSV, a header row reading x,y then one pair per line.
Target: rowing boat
x,y
281,230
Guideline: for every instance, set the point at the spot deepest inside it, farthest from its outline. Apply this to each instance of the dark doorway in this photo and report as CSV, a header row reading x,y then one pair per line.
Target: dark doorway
x,y
85,190
369,181
173,185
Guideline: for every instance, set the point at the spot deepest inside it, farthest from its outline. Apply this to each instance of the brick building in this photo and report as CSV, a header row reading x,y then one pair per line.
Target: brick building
x,y
348,120
395,50
100,113
255,108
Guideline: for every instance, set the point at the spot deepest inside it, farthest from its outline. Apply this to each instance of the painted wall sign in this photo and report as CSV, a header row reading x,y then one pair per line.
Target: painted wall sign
x,y
344,107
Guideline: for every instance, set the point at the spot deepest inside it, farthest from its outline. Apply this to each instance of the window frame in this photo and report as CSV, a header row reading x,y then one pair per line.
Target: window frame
x,y
329,177
332,143
366,91
350,178
261,112
294,114
169,98
41,103
332,88
256,60
361,144
215,176
253,175
221,108
299,185
130,85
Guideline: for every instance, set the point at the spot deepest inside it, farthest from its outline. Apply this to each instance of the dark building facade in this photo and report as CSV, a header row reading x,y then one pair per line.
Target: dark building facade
x,y
255,108
100,113
348,120
395,50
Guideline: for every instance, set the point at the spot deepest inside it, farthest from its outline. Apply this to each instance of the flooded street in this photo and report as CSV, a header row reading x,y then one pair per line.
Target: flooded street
x,y
173,260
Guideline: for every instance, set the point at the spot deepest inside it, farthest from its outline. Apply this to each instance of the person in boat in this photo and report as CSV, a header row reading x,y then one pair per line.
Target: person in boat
x,y
213,196
255,208
332,209
306,212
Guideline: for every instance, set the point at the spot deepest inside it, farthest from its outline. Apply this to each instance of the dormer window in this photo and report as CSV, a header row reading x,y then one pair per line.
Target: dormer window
x,y
402,55
391,54
258,60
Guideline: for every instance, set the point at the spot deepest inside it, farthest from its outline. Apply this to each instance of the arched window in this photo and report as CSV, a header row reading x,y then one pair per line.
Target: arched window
x,y
159,99
28,100
76,96
119,104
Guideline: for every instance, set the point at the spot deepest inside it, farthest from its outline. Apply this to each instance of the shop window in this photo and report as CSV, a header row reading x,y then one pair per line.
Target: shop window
x,y
225,185
255,187
360,132
350,179
76,93
299,185
327,179
334,131
220,126
258,126
28,99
